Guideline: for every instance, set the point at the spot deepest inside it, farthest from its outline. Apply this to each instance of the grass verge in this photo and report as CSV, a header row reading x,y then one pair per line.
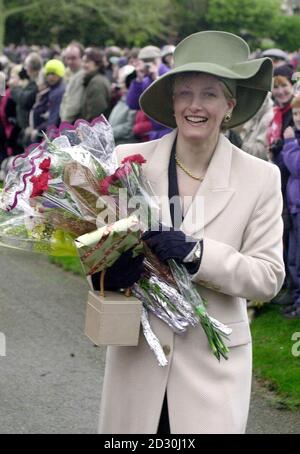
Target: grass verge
x,y
276,355
68,264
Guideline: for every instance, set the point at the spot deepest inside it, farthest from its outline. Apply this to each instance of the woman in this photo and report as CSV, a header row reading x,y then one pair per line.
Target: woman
x,y
148,69
291,158
8,114
25,96
282,93
239,236
97,91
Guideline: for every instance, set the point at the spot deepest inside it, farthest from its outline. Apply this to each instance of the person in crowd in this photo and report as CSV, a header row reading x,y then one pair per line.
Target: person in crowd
x,y
142,127
71,102
167,55
294,58
291,158
253,133
122,118
3,92
8,119
72,58
5,65
45,112
55,52
278,57
149,68
233,249
282,118
9,111
25,96
97,89
133,56
111,59
2,130
5,126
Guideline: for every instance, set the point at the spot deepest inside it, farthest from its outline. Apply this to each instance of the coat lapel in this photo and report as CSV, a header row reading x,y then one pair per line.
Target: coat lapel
x,y
157,174
213,195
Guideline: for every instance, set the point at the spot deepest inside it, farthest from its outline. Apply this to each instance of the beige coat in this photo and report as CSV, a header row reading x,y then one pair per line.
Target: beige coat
x,y
242,260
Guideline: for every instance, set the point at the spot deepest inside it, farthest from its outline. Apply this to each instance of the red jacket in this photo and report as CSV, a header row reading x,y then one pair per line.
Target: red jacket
x,y
142,126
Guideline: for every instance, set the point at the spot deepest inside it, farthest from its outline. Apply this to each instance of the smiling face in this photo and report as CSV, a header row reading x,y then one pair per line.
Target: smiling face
x,y
200,106
89,66
282,91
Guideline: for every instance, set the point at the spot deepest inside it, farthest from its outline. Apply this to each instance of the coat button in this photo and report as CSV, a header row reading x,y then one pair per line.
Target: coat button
x,y
167,349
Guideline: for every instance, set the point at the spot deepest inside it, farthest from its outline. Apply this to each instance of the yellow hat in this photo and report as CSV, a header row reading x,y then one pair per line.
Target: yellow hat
x,y
55,67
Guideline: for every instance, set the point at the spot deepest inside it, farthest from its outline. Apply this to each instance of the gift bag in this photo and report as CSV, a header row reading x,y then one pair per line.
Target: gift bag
x,y
112,318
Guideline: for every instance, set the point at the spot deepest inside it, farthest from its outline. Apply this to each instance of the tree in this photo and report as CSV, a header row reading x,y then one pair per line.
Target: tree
x,y
132,22
11,8
138,22
287,33
189,16
253,19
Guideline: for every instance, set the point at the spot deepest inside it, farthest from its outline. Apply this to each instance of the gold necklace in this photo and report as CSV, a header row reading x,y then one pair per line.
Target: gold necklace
x,y
179,163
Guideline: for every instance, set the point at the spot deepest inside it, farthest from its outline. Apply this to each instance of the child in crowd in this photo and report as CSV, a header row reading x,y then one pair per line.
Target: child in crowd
x,y
291,158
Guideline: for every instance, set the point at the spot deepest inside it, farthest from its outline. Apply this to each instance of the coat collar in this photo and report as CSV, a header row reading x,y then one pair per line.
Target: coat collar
x,y
213,195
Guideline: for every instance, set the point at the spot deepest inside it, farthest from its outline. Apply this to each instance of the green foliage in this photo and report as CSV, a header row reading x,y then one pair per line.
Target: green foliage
x,y
188,16
140,22
71,264
287,32
273,359
99,22
10,8
252,19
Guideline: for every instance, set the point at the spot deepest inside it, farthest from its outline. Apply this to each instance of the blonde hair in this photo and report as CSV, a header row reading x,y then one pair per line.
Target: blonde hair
x,y
295,104
182,76
227,92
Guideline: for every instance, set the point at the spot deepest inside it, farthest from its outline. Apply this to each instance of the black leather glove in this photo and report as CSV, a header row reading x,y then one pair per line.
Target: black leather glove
x,y
122,274
171,244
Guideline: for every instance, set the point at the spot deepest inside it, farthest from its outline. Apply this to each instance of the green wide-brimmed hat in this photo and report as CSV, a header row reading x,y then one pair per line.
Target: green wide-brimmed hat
x,y
223,55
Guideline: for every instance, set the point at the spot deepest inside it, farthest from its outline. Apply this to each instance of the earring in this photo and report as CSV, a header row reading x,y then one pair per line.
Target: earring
x,y
227,117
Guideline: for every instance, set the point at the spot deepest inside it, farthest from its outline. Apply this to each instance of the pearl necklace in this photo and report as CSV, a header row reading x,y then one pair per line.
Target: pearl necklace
x,y
179,163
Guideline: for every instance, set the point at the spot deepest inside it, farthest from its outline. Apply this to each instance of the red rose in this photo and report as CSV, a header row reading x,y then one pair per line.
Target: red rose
x,y
105,183
45,165
40,184
122,171
135,158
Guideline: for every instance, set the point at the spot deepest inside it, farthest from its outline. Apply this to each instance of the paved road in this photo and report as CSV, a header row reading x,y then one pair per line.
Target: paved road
x,y
50,380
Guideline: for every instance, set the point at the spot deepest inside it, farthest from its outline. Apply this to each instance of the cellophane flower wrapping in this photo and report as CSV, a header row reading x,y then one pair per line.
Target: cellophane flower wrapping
x,y
68,197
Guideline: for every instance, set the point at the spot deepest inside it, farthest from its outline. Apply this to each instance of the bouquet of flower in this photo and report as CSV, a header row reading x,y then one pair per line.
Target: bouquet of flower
x,y
67,196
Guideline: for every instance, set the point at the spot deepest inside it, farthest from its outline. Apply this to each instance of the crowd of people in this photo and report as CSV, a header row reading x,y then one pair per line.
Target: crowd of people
x,y
45,87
